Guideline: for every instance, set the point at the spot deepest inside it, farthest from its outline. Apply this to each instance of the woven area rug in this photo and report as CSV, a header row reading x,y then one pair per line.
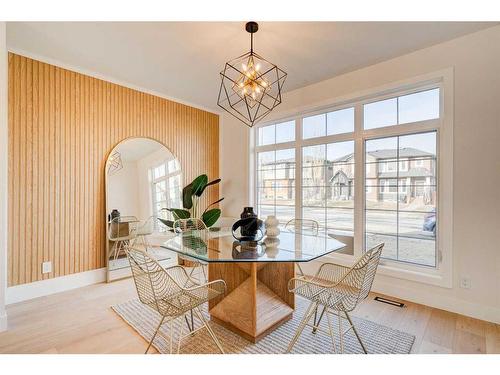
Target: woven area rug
x,y
377,338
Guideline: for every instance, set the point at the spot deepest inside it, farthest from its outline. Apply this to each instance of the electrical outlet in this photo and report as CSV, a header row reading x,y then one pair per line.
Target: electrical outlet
x,y
46,267
465,283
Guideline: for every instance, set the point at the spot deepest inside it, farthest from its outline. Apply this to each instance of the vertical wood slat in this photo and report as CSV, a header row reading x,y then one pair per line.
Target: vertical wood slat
x,y
62,126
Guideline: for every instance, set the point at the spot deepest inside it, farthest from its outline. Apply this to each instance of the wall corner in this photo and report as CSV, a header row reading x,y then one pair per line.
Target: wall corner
x,y
3,172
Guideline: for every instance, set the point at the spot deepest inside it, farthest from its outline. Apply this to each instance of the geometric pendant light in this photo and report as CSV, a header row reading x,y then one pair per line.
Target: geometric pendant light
x,y
250,85
115,163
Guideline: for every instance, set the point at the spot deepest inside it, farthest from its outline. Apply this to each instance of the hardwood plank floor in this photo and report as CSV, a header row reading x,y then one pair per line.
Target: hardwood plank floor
x,y
81,321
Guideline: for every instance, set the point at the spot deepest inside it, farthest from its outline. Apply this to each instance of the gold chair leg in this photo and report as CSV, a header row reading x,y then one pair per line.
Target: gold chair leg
x,y
154,335
205,278
180,338
316,323
302,325
341,334
117,250
191,271
301,273
356,332
332,336
171,334
212,333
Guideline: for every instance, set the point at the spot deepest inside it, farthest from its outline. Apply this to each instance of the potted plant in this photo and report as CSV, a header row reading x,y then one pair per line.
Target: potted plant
x,y
191,199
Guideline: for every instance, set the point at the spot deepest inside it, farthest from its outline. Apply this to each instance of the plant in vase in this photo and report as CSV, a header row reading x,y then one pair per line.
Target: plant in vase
x,y
191,199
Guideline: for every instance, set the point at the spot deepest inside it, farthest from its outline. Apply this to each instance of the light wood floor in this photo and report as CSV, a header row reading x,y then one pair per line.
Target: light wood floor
x,y
81,321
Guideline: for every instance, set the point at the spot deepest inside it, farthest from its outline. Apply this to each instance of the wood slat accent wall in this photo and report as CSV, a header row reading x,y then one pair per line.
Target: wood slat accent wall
x,y
62,126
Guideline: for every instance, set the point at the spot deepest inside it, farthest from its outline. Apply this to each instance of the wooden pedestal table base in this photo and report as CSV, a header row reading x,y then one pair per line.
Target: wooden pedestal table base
x,y
257,298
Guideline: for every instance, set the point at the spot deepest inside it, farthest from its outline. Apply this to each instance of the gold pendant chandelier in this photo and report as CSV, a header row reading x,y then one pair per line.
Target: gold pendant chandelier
x,y
250,85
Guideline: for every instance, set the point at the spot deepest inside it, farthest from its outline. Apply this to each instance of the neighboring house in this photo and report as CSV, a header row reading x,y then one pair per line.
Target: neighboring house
x,y
414,177
335,178
277,180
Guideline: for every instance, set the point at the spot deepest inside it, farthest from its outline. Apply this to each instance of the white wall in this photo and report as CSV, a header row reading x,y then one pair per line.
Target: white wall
x,y
476,253
234,137
3,173
123,190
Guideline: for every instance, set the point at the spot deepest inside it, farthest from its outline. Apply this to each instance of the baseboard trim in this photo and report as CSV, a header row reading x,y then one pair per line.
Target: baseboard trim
x,y
423,297
47,287
389,286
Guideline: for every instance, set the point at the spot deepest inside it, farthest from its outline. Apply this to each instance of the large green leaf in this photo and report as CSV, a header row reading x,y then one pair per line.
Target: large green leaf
x,y
168,223
216,181
179,213
199,184
211,216
195,243
211,204
187,196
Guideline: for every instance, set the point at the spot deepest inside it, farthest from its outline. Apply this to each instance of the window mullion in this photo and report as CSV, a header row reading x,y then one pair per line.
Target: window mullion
x,y
359,182
397,197
298,168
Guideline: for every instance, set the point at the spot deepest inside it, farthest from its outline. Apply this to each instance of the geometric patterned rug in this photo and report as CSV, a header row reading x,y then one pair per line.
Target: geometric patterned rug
x,y
378,339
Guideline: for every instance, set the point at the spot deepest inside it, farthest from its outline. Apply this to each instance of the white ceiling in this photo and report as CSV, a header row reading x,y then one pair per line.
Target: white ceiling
x,y
182,60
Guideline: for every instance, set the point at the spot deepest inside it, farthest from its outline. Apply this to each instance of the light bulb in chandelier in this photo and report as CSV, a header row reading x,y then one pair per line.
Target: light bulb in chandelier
x,y
251,84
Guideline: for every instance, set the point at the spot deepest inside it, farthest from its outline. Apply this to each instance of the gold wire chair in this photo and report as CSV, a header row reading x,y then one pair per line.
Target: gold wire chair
x,y
302,226
338,289
306,226
172,293
186,225
145,230
122,231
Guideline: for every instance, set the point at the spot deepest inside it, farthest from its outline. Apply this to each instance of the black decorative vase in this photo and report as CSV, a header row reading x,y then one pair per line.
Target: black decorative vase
x,y
114,214
247,250
250,226
248,230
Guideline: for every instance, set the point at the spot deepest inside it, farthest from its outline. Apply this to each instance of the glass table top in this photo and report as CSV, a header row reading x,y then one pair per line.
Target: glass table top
x,y
216,247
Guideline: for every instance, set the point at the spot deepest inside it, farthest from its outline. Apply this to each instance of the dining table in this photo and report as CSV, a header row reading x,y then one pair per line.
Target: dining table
x,y
256,273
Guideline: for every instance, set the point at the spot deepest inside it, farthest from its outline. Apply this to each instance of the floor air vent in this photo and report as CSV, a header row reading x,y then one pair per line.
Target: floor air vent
x,y
389,301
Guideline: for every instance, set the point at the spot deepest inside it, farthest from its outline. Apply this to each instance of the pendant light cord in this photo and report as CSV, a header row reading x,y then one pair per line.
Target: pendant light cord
x,y
251,42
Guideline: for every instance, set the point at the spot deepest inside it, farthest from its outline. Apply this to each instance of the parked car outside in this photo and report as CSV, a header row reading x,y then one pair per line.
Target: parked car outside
x,y
430,222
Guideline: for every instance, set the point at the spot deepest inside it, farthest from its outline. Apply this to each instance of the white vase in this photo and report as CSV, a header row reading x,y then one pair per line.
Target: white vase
x,y
272,244
272,229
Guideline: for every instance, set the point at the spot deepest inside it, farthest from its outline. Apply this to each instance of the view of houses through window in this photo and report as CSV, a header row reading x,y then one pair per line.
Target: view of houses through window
x,y
400,198
328,185
313,177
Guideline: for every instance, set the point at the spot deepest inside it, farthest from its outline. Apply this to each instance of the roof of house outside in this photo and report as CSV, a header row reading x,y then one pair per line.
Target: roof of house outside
x,y
341,172
407,152
414,172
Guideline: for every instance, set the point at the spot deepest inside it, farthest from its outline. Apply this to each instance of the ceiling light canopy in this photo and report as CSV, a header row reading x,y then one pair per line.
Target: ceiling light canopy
x,y
250,85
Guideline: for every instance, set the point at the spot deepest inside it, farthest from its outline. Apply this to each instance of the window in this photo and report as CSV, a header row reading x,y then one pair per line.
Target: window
x,y
166,190
336,122
387,166
277,133
400,214
404,109
328,186
419,163
314,178
276,183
